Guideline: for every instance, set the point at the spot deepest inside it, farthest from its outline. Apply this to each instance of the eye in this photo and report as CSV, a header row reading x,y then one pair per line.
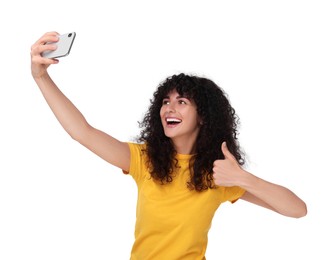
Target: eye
x,y
182,102
165,102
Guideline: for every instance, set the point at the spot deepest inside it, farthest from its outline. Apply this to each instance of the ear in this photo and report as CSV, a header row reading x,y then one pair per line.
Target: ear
x,y
199,121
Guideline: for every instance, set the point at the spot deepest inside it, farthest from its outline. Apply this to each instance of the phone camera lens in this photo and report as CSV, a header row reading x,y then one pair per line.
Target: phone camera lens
x,y
70,34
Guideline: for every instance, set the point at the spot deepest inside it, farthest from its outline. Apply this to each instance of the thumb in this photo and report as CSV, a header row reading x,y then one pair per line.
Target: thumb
x,y
226,152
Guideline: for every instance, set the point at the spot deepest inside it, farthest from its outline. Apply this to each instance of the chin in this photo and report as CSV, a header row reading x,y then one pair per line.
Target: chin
x,y
169,135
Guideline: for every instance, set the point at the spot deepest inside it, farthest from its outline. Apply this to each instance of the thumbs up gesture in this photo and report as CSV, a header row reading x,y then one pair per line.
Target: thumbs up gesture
x,y
227,172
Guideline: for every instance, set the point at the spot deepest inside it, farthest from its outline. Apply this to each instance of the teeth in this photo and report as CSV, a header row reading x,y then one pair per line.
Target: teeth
x,y
173,120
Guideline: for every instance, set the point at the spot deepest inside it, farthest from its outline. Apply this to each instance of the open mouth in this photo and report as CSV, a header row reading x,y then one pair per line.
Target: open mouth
x,y
173,121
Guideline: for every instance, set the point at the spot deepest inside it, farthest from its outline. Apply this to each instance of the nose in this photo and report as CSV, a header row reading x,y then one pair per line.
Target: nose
x,y
170,108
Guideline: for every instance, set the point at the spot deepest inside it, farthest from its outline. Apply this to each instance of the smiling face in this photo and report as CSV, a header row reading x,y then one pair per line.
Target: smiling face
x,y
180,121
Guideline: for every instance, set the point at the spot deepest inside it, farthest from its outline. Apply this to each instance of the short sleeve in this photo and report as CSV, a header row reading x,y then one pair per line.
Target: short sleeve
x,y
137,162
232,194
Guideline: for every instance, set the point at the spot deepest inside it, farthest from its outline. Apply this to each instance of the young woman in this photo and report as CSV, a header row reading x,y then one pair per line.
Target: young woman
x,y
187,161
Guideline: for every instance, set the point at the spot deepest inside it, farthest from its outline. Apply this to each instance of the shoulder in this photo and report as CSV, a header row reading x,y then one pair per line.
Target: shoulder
x,y
138,160
137,149
232,194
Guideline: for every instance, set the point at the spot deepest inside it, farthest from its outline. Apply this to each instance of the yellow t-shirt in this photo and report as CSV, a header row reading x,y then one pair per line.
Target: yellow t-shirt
x,y
172,222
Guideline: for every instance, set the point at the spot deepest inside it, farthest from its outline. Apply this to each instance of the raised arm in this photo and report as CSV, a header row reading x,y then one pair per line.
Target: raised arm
x,y
105,146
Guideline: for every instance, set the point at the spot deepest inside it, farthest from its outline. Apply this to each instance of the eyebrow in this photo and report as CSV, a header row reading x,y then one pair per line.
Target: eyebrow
x,y
178,97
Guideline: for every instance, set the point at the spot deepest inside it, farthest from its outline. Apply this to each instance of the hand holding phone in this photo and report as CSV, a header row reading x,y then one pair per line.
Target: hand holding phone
x,y
64,45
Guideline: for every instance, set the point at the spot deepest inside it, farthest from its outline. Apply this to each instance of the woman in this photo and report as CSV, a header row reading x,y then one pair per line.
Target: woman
x,y
187,161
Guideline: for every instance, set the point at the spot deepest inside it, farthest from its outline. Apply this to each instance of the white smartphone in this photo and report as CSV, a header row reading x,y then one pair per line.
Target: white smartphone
x,y
64,45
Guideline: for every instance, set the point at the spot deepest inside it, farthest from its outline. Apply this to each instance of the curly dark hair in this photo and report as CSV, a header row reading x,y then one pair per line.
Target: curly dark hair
x,y
219,124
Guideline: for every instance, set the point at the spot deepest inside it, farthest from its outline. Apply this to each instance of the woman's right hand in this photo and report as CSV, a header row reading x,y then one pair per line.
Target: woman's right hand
x,y
39,64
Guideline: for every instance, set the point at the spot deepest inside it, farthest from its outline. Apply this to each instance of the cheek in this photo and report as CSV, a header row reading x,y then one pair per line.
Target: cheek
x,y
161,112
193,119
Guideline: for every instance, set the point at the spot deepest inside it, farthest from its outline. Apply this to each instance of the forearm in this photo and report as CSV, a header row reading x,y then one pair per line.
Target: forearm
x,y
66,113
278,198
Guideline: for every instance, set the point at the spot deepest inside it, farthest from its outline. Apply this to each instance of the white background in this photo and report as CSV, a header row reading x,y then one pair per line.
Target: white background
x,y
276,61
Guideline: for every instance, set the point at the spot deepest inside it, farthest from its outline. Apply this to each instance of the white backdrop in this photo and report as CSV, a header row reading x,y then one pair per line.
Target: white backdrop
x,y
275,59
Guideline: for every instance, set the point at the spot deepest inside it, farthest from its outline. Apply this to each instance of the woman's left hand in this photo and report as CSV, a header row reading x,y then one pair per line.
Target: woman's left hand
x,y
227,172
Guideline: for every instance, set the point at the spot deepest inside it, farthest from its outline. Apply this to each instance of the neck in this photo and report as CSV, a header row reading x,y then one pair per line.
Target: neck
x,y
185,145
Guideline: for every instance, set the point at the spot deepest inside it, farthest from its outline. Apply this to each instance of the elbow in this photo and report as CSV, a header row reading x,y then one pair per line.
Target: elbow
x,y
303,212
80,134
75,136
297,211
300,212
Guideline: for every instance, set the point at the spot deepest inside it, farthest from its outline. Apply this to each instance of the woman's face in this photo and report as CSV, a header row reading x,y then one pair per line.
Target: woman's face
x,y
179,119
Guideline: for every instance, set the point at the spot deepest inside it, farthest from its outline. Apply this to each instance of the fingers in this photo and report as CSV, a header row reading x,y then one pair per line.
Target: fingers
x,y
39,64
48,37
227,154
45,61
38,48
216,176
40,45
216,166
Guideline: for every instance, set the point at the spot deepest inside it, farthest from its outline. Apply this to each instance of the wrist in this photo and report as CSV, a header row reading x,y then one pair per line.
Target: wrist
x,y
247,180
40,77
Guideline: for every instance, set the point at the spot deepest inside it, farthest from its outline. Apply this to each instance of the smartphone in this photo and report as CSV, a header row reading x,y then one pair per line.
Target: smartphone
x,y
64,45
